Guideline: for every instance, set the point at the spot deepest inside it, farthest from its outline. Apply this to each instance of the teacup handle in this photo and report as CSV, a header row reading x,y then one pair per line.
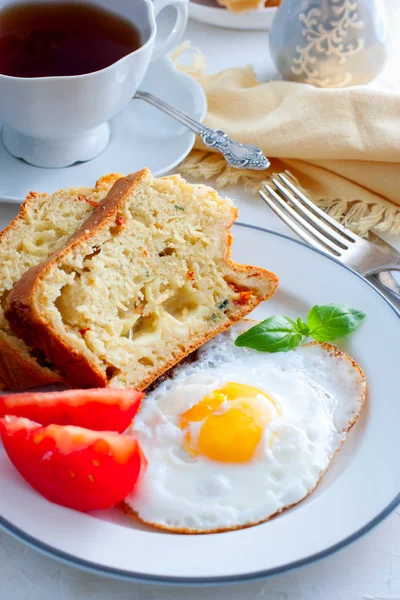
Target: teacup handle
x,y
181,6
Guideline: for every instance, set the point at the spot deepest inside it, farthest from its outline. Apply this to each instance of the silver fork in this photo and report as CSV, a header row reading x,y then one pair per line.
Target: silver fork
x,y
321,231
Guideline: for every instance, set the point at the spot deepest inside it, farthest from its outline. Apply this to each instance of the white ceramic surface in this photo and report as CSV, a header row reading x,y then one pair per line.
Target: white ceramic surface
x,y
140,136
342,507
209,12
56,121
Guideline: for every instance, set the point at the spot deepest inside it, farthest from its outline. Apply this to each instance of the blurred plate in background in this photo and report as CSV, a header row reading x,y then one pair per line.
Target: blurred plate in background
x,y
208,11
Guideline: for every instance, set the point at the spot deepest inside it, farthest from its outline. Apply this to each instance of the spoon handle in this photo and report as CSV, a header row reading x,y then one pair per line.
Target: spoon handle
x,y
238,155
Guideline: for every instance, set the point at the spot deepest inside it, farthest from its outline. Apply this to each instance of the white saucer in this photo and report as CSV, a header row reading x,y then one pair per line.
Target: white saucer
x,y
208,11
140,136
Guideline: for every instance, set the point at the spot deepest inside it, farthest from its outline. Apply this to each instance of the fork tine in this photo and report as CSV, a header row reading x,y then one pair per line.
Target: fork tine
x,y
303,223
309,239
352,237
322,227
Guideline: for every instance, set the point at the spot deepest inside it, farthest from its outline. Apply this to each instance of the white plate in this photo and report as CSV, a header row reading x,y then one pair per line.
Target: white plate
x,y
140,136
208,11
361,487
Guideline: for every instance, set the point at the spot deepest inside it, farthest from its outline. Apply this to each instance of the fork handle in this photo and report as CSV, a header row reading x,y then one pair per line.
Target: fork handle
x,y
389,283
392,263
382,259
380,265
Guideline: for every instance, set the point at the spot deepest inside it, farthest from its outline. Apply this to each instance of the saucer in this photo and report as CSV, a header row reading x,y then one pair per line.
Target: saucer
x,y
140,136
208,11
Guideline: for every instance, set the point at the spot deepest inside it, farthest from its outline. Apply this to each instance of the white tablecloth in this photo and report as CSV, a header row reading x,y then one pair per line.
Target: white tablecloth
x,y
367,570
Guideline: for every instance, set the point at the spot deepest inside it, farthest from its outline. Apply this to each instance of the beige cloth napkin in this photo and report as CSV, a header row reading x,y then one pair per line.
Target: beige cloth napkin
x,y
341,145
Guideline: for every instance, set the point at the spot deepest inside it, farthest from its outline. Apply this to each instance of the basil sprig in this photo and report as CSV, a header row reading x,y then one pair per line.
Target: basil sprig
x,y
333,321
324,323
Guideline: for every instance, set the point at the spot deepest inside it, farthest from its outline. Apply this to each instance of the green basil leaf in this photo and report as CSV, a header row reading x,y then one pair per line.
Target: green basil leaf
x,y
302,327
332,321
275,334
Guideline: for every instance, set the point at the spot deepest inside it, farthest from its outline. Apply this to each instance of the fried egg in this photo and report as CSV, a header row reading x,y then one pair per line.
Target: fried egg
x,y
238,435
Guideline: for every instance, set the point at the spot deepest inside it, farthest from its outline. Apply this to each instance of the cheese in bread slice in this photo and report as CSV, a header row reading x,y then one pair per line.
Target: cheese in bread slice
x,y
145,281
43,225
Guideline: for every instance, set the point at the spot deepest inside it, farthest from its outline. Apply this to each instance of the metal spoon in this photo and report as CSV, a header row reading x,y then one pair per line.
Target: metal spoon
x,y
240,156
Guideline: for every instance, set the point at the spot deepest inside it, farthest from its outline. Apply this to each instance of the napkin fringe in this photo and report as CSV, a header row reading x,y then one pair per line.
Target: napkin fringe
x,y
201,164
359,215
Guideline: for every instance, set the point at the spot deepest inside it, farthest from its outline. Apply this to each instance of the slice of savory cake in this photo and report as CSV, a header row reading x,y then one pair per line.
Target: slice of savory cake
x,y
145,281
42,226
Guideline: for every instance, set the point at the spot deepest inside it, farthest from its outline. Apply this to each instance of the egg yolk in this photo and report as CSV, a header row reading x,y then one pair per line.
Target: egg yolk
x,y
233,420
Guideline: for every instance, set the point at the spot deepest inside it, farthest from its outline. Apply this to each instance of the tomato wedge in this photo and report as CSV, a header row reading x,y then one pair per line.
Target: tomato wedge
x,y
78,468
103,409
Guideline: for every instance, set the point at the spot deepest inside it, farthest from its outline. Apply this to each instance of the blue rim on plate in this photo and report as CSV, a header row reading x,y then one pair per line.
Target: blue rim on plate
x,y
208,581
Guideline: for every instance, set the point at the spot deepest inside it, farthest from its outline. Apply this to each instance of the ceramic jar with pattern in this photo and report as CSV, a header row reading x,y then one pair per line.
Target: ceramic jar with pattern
x,y
329,43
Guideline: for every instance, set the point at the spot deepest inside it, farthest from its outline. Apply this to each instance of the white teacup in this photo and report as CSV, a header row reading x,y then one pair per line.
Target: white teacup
x,y
57,121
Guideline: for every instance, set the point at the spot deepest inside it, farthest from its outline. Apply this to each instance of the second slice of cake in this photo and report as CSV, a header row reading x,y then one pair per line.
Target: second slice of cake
x,y
145,281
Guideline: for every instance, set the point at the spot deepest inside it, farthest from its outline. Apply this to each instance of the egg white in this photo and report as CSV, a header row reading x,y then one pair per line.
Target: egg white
x,y
319,392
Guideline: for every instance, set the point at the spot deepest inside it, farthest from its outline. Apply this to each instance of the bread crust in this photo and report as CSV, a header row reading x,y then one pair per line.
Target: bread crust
x,y
28,323
19,370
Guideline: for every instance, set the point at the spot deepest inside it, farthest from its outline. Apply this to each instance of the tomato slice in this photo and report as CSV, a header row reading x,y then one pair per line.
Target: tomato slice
x,y
78,468
103,409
